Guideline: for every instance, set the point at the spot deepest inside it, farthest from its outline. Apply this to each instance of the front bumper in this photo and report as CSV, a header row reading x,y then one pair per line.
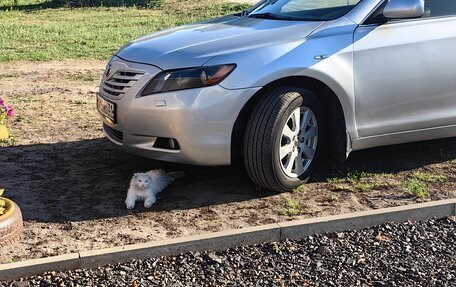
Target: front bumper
x,y
200,120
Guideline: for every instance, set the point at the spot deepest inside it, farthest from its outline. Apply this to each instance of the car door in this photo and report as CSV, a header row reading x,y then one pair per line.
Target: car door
x,y
405,72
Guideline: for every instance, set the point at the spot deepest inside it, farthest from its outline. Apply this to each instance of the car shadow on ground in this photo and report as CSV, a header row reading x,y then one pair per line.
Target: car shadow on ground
x,y
393,158
83,180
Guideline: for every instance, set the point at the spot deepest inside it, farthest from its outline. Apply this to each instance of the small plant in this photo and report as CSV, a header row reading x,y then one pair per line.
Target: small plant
x,y
277,247
341,187
336,180
299,189
417,182
291,207
429,177
354,176
364,187
2,203
6,111
360,181
416,187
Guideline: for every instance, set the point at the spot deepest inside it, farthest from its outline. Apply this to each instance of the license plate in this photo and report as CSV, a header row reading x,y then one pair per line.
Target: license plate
x,y
106,108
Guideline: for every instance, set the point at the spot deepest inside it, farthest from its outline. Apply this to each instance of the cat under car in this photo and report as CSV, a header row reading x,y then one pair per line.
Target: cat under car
x,y
146,185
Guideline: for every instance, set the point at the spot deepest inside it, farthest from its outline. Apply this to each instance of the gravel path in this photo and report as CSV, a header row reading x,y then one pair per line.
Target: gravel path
x,y
395,254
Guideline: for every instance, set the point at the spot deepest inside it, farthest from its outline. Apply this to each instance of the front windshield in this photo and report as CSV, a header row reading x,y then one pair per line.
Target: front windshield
x,y
311,10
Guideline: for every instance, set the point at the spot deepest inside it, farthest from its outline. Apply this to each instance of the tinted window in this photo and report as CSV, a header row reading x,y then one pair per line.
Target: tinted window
x,y
437,8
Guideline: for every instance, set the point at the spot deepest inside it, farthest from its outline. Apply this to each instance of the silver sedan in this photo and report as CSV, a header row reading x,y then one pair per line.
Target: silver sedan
x,y
283,82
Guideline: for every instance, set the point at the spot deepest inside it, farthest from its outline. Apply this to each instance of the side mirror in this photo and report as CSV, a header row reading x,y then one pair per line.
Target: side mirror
x,y
403,9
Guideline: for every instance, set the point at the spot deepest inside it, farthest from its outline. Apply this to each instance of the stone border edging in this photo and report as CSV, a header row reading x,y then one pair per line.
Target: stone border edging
x,y
226,239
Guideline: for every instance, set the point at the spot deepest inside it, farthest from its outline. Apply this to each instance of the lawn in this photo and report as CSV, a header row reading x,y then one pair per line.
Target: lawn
x,y
44,30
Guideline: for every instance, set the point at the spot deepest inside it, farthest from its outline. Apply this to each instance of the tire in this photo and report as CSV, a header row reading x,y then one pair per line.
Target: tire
x,y
10,224
270,148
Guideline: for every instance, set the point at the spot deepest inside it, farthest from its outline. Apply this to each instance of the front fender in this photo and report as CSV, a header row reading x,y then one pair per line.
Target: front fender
x,y
326,55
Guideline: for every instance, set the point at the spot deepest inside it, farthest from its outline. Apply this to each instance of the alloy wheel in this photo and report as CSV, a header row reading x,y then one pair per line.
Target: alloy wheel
x,y
298,142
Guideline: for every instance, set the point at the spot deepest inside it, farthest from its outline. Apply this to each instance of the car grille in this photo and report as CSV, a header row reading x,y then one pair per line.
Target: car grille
x,y
114,134
119,83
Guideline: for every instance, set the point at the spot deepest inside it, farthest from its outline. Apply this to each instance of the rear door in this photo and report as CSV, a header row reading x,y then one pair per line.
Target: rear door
x,y
405,72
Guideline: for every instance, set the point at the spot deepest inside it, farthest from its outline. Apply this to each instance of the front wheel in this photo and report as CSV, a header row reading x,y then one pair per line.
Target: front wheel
x,y
283,138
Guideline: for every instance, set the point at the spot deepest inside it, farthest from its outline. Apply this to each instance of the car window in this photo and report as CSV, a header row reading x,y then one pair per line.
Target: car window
x,y
317,10
438,8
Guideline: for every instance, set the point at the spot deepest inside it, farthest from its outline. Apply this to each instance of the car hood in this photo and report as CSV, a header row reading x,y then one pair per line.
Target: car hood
x,y
194,44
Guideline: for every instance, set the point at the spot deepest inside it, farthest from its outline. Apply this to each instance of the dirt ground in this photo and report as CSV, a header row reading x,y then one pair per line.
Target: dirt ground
x,y
70,182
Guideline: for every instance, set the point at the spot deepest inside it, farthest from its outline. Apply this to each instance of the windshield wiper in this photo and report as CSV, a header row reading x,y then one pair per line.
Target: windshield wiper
x,y
270,16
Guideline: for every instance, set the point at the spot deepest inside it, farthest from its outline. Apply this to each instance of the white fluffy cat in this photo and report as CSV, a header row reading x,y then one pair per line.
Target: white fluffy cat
x,y
146,186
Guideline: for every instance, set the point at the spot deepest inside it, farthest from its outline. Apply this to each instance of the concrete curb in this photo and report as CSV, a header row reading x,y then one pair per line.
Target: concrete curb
x,y
214,241
226,239
30,267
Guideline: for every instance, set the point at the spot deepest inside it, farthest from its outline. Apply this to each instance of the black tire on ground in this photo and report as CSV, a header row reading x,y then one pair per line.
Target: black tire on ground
x,y
11,227
264,134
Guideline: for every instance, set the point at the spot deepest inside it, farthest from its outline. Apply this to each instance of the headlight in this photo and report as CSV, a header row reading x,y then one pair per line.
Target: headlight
x,y
188,79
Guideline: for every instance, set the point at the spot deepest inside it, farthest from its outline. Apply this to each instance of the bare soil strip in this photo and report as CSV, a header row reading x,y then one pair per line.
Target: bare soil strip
x,y
70,182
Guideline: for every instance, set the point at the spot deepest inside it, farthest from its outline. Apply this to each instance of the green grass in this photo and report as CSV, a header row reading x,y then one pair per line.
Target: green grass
x,y
416,187
27,100
8,75
292,207
417,183
364,187
428,177
355,176
360,181
84,77
10,141
29,32
300,189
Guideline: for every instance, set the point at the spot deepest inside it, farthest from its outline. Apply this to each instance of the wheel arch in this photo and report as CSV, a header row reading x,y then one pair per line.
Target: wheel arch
x,y
338,137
